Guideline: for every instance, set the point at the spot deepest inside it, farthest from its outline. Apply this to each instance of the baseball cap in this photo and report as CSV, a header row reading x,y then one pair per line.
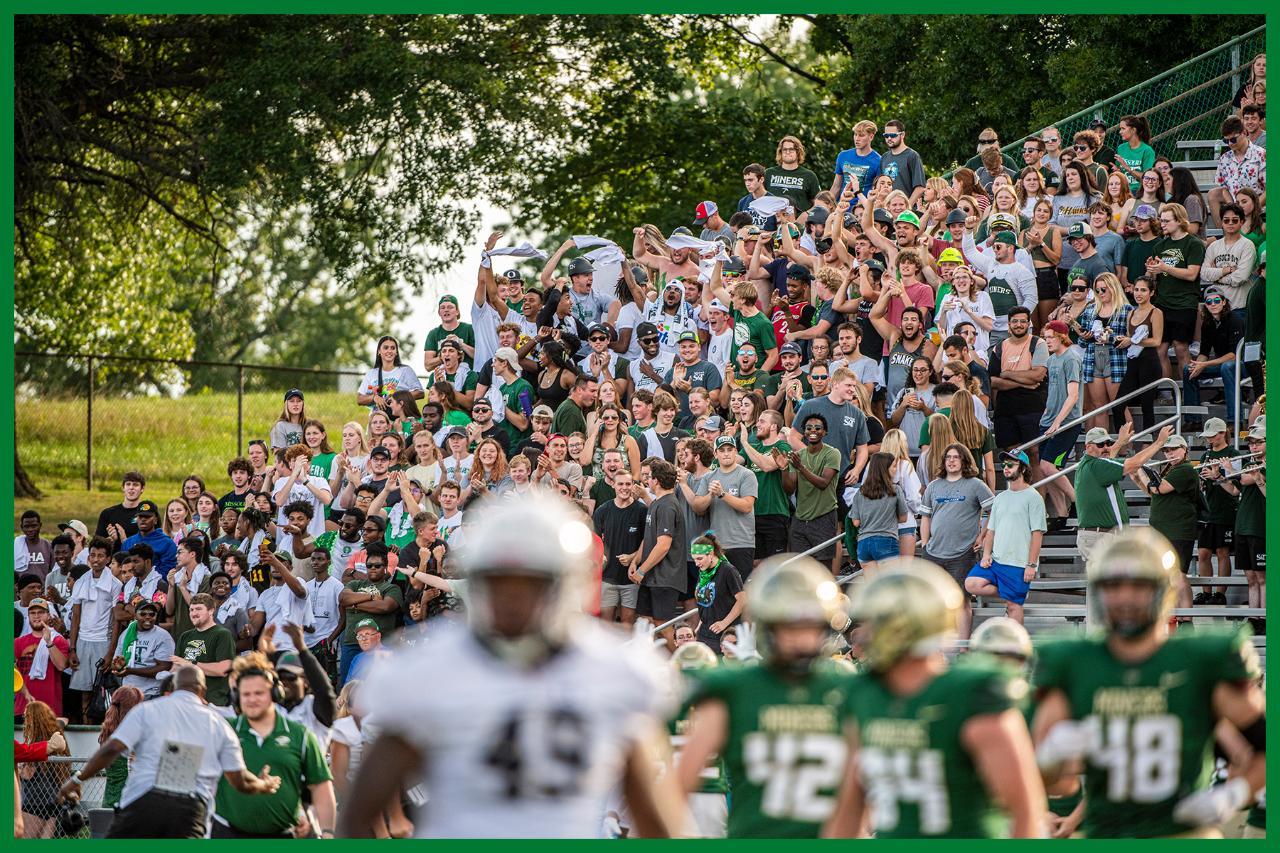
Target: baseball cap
x,y
1213,426
725,440
704,212
799,271
909,218
1020,456
1145,211
1057,326
509,355
1097,435
676,282
367,623
951,256
290,660
957,217
1259,429
543,411
448,297
1007,237
293,392
39,603
734,265
873,265
681,230
644,330
1214,290
451,344
146,605
450,432
882,215
77,525
513,275
792,348
714,422
687,335
717,305
1077,230
581,266
1097,122
1175,441
148,508
597,328
380,451
818,214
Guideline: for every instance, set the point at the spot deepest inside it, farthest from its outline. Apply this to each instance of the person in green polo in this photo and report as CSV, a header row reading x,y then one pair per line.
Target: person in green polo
x,y
1101,508
270,740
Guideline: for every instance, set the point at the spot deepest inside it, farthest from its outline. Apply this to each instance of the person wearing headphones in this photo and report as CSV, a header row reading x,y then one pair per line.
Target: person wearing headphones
x,y
271,742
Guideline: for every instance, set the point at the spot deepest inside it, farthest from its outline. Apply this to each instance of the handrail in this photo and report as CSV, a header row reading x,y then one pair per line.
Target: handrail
x,y
1175,418
1235,422
815,549
1177,394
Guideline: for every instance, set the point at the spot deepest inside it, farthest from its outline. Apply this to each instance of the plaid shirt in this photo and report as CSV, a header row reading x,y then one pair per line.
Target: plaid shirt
x,y
1249,171
1119,325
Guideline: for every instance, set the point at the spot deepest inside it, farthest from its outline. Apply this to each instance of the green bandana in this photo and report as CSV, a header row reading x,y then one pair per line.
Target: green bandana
x,y
703,550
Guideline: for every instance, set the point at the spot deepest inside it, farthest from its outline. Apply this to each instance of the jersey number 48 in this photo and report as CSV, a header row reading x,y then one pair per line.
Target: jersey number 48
x,y
1141,755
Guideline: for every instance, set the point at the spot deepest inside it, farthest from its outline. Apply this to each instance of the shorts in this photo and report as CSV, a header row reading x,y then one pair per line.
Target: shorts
x,y
1251,553
771,535
1180,325
89,652
1184,549
1007,579
1047,286
659,603
876,548
742,559
709,814
614,594
1012,430
1212,536
1057,448
958,567
807,534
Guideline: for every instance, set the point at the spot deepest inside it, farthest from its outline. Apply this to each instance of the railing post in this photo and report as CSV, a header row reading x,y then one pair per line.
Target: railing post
x,y
1235,421
239,410
88,432
1235,63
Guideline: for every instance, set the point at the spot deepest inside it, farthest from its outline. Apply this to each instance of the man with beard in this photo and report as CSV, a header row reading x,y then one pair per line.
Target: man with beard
x,y
143,651
603,362
762,456
327,623
589,307
621,524
744,376
792,383
229,612
691,372
647,372
372,596
670,313
1019,368
1009,283
905,343
790,179
812,474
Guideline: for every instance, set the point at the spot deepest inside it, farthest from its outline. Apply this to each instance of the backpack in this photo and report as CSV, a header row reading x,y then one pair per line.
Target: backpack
x,y
105,683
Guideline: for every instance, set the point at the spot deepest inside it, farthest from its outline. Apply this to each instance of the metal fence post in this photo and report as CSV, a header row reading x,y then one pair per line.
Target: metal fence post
x,y
1235,63
88,433
239,409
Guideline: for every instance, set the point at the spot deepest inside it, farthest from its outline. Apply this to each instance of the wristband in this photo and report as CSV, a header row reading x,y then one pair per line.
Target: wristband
x,y
485,261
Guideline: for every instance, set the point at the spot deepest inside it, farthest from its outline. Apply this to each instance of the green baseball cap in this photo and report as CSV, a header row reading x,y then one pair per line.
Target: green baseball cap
x,y
449,297
368,623
909,218
1007,237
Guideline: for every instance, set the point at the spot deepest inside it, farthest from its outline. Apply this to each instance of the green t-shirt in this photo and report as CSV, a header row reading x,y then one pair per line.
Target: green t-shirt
x,y
1219,505
1174,292
1138,159
211,645
386,621
785,749
812,502
756,380
1251,520
756,330
714,778
293,753
798,185
1136,252
1174,514
517,396
469,381
771,498
1099,495
913,764
568,419
322,465
1153,722
464,332
399,531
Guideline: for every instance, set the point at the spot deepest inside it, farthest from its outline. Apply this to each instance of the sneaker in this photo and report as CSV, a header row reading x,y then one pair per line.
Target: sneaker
x,y
1218,598
1200,598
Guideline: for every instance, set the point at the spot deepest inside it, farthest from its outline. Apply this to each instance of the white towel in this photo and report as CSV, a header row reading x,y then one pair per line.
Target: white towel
x,y
524,250
769,205
197,577
40,660
1139,335
102,586
712,249
587,241
605,256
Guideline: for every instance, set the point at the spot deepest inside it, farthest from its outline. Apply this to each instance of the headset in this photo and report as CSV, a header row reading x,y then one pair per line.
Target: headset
x,y
277,692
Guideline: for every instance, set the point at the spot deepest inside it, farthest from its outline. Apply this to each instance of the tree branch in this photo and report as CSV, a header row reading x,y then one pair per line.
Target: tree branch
x,y
754,41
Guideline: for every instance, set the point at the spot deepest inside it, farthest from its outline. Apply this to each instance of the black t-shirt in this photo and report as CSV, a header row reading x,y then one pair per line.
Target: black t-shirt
x,y
232,500
1218,339
978,372
1019,401
871,344
126,518
499,435
777,268
622,529
715,599
411,557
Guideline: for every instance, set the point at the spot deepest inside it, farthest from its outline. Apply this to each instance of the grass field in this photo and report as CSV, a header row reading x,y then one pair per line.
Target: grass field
x,y
166,439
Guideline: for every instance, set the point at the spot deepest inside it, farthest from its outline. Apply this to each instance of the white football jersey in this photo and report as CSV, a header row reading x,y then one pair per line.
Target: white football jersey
x,y
510,752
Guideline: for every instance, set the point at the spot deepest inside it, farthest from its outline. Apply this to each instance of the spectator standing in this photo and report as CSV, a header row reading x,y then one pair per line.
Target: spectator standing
x,y
951,513
209,647
1229,260
1217,510
707,215
1011,544
813,475
902,164
229,612
730,504
287,429
789,178
374,596
284,602
92,636
451,328
1251,520
31,554
185,580
1010,285
660,568
388,375
516,394
763,455
1144,343
1063,404
1220,332
180,747
1134,155
860,163
877,510
323,592
41,656
1243,165
1175,264
718,591
164,551
988,138
850,436
1100,503
620,523
119,522
690,371
571,415
1175,504
1018,373
143,651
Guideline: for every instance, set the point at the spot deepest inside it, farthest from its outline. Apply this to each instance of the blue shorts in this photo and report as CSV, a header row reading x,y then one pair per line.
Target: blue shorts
x,y
1008,580
875,548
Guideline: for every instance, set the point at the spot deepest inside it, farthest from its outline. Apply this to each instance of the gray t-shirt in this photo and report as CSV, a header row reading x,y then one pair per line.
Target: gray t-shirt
x,y
665,518
700,374
846,425
954,508
906,169
1064,367
695,525
725,231
734,529
878,517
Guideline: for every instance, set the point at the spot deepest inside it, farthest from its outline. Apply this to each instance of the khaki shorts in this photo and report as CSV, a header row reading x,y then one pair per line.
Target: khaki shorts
x,y
613,594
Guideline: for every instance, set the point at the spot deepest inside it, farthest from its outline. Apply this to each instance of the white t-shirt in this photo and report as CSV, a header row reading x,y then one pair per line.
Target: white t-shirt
x,y
401,378
447,525
719,347
484,324
299,492
629,316
662,363
346,732
458,470
340,553
281,606
325,612
96,601
149,648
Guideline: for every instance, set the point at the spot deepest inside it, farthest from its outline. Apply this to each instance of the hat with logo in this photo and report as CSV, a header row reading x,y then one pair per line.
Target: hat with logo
x,y
705,211
713,422
1019,456
957,217
734,265
1213,426
909,218
882,215
1097,435
725,441
818,215
1077,231
148,508
799,272
542,410
147,605
790,347
1146,211
602,329
1259,429
645,329
1097,122
874,266
581,266
1002,222
717,305
77,525
681,230
368,623
291,661
1077,273
39,604
676,282
950,256
291,393
1007,237
1174,442
380,451
687,335
448,297
1214,290
513,275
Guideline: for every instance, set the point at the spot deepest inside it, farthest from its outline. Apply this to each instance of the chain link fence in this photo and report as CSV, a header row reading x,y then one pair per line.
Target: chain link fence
x,y
40,783
82,421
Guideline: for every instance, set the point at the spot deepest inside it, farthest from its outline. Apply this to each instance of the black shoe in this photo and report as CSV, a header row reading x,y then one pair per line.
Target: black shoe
x,y
1201,598
1056,524
1218,598
1259,626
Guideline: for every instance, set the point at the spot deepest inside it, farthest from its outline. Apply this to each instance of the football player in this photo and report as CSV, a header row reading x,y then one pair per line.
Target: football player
x,y
937,752
1138,707
709,804
519,722
777,723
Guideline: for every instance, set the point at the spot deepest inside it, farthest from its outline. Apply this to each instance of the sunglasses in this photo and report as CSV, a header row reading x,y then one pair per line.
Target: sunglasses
x,y
594,338
1079,288
818,377
1230,140
891,135
1052,139
1231,220
610,419
1030,150
947,377
651,339
987,141
1080,147
1009,463
1213,300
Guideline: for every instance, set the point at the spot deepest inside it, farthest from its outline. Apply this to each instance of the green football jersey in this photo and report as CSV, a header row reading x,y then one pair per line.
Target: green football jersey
x,y
785,751
1151,723
919,781
715,779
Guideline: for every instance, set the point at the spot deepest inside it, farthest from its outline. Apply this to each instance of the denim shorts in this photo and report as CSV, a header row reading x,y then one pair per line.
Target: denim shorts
x,y
875,548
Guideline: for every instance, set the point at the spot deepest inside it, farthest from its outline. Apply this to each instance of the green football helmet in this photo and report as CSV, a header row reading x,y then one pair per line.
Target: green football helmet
x,y
1002,636
1134,554
694,656
908,609
790,590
